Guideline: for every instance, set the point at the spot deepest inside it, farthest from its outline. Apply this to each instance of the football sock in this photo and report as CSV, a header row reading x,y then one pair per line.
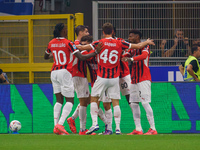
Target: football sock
x,y
108,115
136,115
56,111
94,113
102,116
117,116
76,112
149,113
82,114
65,112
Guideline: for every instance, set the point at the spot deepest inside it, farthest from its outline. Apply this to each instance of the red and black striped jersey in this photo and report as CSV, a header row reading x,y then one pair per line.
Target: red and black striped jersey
x,y
62,50
92,66
79,67
124,68
108,58
139,69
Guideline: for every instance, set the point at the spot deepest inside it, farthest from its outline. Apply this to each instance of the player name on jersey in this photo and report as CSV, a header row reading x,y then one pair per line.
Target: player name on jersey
x,y
110,44
58,45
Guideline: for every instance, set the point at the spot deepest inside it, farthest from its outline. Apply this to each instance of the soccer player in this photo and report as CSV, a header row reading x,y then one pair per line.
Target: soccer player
x,y
62,50
92,66
79,74
141,83
124,83
108,72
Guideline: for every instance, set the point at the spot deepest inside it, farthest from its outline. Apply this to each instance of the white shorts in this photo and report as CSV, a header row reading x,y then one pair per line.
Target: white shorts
x,y
81,87
110,86
105,99
62,82
125,84
141,92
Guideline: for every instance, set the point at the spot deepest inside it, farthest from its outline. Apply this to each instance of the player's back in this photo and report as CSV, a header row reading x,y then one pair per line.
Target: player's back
x,y
79,67
140,69
61,49
108,58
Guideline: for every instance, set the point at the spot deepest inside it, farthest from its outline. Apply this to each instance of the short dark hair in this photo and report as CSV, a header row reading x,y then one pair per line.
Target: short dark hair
x,y
107,28
135,31
80,28
194,48
58,29
87,38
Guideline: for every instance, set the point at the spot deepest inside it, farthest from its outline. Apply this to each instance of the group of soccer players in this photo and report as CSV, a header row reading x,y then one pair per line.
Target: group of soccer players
x,y
107,60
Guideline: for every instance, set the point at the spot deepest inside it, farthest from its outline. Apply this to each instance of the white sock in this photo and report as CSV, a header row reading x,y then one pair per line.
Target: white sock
x,y
76,112
82,114
65,112
94,113
102,116
136,115
108,115
117,116
149,113
56,112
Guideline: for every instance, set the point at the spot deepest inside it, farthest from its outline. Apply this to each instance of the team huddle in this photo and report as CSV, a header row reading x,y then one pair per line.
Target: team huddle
x,y
108,61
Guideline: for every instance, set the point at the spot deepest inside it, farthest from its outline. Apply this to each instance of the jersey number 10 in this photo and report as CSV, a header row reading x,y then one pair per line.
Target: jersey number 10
x,y
57,57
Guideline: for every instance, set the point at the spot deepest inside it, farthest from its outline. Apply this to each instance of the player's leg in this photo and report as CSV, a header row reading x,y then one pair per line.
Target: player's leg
x,y
82,113
117,115
59,99
71,120
108,114
125,84
82,90
98,90
67,90
57,107
145,88
76,112
134,104
101,114
113,93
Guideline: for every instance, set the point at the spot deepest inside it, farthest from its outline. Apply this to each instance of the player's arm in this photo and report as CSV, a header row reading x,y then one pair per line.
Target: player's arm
x,y
84,47
48,54
142,44
137,58
78,54
127,54
190,70
181,68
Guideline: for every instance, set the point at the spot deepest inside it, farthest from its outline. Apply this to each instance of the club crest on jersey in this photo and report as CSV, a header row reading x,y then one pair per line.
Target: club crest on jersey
x,y
74,46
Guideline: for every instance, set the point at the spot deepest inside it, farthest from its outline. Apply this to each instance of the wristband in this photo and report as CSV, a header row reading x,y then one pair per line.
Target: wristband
x,y
132,59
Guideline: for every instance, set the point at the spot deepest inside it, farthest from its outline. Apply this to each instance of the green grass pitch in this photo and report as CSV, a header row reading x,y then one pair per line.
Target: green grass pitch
x,y
99,142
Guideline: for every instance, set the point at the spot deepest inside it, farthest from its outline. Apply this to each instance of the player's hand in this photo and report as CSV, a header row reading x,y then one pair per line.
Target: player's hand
x,y
99,47
79,47
50,55
126,59
150,42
